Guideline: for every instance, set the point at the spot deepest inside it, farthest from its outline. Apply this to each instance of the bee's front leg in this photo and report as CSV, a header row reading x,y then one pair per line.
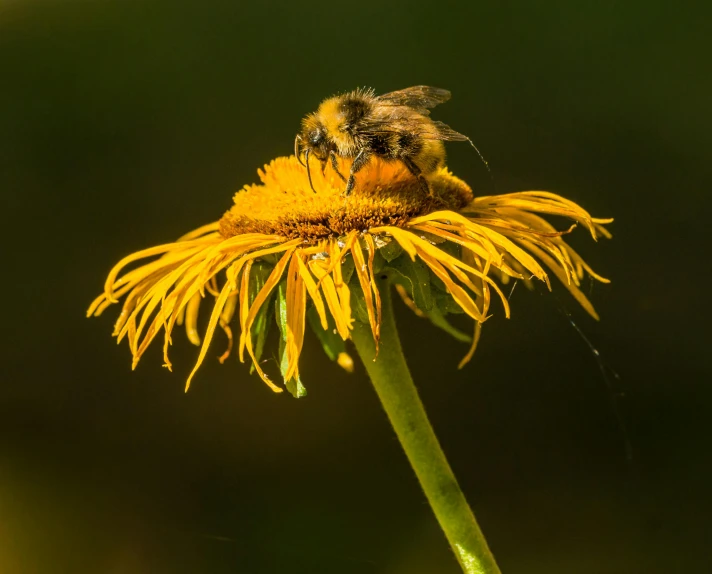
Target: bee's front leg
x,y
359,161
335,165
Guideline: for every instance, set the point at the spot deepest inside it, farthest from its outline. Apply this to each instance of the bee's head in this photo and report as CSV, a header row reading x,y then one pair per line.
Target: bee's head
x,y
313,139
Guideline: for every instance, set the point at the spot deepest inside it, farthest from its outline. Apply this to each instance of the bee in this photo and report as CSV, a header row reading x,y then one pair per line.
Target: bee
x,y
395,127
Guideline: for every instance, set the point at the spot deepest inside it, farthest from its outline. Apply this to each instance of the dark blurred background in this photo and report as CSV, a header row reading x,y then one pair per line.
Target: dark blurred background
x,y
126,124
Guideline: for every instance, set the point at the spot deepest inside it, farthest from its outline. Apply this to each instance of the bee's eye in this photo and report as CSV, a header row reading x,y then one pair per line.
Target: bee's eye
x,y
316,137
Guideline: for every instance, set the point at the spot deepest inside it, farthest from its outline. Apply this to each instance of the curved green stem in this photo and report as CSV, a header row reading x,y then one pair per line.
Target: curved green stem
x,y
391,378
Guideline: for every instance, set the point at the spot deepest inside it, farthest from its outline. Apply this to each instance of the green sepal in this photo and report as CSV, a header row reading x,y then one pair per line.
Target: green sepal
x,y
294,385
378,263
260,329
446,304
438,319
330,340
270,259
358,303
347,267
391,250
428,292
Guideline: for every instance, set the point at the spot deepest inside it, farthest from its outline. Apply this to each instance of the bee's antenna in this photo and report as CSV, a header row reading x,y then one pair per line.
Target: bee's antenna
x,y
484,161
306,158
297,151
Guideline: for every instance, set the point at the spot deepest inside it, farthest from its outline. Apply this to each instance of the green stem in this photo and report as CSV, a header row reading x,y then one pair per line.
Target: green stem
x,y
391,378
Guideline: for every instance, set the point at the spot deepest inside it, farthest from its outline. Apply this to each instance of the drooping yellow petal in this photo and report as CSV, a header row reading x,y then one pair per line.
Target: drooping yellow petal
x,y
190,272
475,229
331,296
423,248
272,280
376,295
244,297
573,289
212,324
246,327
342,288
110,280
313,292
482,247
274,277
473,347
191,319
260,299
460,296
365,280
296,316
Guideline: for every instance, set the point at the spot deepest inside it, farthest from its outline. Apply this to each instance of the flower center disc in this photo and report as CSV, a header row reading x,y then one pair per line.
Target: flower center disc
x,y
386,193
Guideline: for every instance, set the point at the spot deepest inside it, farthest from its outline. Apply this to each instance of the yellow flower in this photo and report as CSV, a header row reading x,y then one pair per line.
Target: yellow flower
x,y
319,254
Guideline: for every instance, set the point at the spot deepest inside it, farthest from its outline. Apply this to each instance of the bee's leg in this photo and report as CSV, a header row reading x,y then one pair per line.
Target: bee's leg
x,y
335,165
359,161
417,172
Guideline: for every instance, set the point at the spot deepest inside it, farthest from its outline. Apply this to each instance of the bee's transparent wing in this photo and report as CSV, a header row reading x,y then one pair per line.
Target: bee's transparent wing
x,y
420,98
444,132
424,131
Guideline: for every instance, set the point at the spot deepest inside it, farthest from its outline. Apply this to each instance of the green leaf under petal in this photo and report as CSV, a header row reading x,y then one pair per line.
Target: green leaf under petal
x,y
347,267
260,328
445,303
438,319
416,278
330,340
391,250
358,303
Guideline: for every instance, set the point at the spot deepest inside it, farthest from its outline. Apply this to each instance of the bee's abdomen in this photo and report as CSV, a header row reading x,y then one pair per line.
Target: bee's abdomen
x,y
385,146
430,155
394,145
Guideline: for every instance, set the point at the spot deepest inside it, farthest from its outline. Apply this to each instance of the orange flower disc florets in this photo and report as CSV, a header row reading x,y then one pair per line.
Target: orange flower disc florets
x,y
386,194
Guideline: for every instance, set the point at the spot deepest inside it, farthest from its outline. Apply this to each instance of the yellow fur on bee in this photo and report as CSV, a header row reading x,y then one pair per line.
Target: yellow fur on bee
x,y
332,118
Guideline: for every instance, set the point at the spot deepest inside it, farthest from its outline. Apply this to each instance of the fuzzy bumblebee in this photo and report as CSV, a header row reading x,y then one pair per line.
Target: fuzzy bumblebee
x,y
360,125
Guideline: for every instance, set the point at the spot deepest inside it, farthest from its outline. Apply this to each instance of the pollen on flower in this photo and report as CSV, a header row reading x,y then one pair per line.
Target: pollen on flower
x,y
386,193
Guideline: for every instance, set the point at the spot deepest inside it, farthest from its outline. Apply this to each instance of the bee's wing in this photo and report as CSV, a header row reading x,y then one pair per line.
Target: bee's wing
x,y
420,98
444,132
429,130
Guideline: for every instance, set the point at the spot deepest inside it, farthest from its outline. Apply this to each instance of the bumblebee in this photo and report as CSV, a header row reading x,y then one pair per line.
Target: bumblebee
x,y
394,127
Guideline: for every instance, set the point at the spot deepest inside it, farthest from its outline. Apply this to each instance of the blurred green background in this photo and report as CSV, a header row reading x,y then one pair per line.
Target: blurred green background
x,y
126,124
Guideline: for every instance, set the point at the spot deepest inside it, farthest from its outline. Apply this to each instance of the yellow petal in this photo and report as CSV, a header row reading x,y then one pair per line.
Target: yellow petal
x,y
214,317
473,347
296,316
313,292
365,280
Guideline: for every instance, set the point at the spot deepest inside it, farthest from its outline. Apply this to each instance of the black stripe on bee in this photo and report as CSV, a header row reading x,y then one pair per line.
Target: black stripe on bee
x,y
354,109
